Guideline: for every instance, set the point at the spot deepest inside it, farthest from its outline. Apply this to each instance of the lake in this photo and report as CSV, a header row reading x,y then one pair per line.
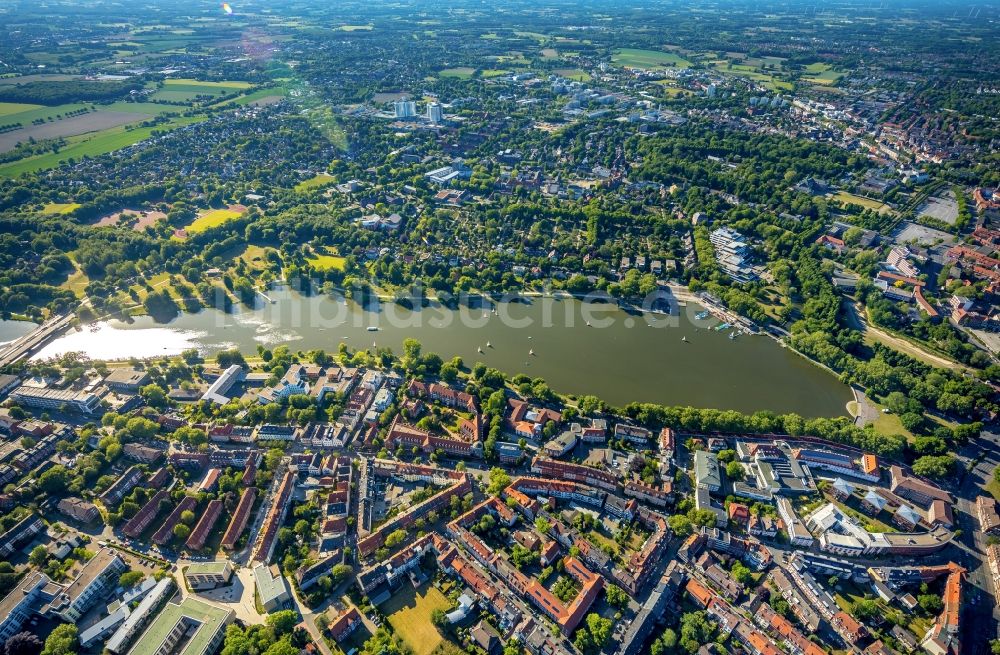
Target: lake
x,y
577,347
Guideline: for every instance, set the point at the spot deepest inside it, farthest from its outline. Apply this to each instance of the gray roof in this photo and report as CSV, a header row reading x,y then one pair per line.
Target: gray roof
x,y
706,469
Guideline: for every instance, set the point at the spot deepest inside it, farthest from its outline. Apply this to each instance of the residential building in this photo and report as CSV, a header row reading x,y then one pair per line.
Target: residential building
x,y
21,603
208,575
706,470
139,618
121,487
271,587
192,627
986,510
79,509
20,533
98,576
798,535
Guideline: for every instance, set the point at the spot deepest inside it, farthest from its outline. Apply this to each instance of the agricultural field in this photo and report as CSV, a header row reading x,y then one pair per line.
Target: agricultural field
x,y
73,126
214,218
316,182
8,108
409,612
97,143
183,90
648,59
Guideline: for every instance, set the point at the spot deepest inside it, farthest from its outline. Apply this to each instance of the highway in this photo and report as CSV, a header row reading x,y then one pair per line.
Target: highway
x,y
27,344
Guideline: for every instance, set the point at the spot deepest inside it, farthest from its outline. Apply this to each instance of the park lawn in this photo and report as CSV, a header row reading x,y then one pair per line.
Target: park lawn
x,y
409,612
492,72
573,74
890,424
254,256
325,262
648,59
315,182
93,144
211,219
549,53
462,72
8,108
60,207
77,282
867,203
356,28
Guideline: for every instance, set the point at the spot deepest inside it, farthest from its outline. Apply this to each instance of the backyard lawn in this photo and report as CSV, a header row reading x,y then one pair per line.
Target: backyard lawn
x,y
409,611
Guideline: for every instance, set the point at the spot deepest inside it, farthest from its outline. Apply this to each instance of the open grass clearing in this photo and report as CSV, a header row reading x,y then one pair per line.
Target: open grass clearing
x,y
853,199
60,207
254,256
409,612
214,218
356,28
461,72
316,182
228,85
573,74
648,59
493,72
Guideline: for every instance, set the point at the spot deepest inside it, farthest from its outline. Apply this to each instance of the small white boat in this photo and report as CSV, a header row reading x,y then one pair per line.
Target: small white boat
x,y
489,345
480,349
529,337
588,323
684,338
531,352
372,328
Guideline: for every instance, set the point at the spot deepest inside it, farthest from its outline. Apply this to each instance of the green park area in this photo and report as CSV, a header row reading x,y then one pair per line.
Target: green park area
x,y
648,59
316,182
326,262
211,219
461,73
